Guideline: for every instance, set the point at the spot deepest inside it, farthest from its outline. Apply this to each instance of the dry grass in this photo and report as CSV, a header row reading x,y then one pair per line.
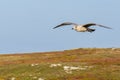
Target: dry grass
x,y
105,62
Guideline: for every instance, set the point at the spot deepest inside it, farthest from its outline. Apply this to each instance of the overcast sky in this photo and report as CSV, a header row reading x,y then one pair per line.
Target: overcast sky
x,y
26,25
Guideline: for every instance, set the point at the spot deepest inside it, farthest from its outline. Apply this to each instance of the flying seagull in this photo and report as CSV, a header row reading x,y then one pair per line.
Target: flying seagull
x,y
81,28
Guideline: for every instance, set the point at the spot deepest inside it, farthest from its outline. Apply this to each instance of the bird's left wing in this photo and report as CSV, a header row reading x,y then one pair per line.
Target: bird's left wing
x,y
64,24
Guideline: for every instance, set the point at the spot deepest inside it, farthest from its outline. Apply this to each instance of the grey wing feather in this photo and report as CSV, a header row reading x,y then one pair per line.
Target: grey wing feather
x,y
89,24
103,26
64,24
94,24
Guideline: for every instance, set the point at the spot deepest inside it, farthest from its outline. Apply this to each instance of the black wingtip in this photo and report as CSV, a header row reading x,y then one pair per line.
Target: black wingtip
x,y
104,26
108,27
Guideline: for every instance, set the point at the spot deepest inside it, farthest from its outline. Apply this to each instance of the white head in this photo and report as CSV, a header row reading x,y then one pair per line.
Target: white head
x,y
74,28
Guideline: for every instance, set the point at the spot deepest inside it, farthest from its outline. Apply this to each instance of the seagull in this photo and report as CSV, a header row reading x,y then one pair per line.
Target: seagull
x,y
81,28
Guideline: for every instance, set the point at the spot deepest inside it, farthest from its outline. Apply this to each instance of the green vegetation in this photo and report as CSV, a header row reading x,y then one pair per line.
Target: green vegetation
x,y
75,64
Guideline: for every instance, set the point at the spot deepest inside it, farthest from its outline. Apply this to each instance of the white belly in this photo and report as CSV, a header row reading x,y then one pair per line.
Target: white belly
x,y
81,29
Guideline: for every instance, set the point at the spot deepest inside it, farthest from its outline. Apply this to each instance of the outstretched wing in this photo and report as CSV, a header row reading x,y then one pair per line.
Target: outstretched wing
x,y
94,24
64,24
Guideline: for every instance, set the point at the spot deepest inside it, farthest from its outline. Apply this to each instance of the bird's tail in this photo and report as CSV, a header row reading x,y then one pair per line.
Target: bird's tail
x,y
91,30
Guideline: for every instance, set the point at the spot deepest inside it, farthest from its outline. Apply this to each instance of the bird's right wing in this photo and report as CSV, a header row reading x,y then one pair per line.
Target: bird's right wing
x,y
94,24
103,26
64,24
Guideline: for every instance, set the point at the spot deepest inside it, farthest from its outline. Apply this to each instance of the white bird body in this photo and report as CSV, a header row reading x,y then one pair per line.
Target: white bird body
x,y
81,28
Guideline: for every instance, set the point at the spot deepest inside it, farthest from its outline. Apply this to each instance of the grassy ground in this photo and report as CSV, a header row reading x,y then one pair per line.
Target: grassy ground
x,y
76,64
